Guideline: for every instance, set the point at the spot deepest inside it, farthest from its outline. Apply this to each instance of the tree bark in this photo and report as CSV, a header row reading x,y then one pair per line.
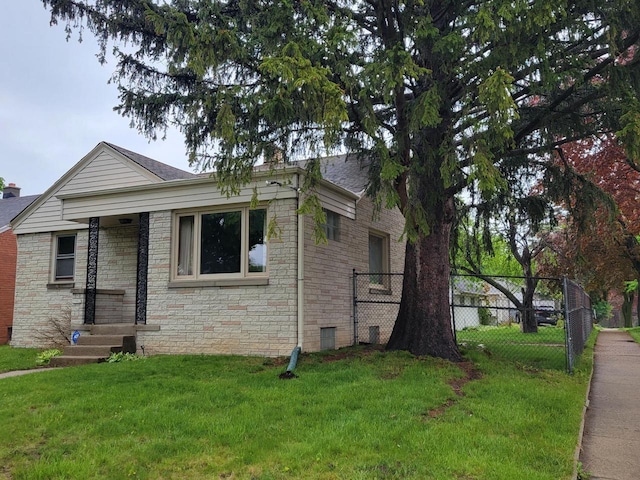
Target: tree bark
x,y
423,326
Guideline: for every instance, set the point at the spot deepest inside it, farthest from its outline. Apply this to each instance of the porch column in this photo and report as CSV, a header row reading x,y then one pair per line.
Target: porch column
x,y
92,272
143,268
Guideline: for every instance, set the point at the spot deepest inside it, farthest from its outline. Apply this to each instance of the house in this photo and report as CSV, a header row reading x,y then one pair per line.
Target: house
x,y
121,238
11,205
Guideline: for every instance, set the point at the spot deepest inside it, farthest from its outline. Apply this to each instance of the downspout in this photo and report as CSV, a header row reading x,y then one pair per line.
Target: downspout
x,y
300,269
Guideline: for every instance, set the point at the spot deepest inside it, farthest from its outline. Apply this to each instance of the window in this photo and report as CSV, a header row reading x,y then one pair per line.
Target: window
x,y
378,259
230,243
65,257
332,226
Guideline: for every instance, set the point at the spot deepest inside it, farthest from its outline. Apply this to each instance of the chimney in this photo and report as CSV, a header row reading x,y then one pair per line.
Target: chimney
x,y
11,191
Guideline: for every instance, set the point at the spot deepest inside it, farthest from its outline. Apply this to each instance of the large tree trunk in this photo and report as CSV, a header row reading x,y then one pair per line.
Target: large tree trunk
x,y
423,326
529,322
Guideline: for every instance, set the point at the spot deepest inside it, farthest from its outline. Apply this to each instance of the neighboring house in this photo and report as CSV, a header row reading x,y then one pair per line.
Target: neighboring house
x,y
121,238
11,205
468,296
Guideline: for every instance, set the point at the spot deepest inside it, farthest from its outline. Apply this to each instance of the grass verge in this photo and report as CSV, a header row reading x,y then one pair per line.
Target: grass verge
x,y
635,333
355,414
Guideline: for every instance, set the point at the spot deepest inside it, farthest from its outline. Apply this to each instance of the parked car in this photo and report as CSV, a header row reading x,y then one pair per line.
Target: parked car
x,y
546,316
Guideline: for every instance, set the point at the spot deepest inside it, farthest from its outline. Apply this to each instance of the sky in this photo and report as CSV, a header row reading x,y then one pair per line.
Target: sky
x,y
56,104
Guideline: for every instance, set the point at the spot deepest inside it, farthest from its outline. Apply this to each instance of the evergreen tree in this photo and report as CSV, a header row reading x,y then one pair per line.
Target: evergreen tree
x,y
440,95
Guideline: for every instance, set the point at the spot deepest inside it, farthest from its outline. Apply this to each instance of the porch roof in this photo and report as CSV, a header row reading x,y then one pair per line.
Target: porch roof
x,y
192,193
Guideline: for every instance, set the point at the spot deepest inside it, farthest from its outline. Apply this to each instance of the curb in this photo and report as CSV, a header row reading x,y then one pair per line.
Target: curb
x,y
576,455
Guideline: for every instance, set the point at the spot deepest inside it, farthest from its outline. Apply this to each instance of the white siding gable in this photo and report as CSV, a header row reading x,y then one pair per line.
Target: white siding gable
x,y
103,168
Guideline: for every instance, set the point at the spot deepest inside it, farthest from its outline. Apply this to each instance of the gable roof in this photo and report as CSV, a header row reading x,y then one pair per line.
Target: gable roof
x,y
347,171
162,170
12,206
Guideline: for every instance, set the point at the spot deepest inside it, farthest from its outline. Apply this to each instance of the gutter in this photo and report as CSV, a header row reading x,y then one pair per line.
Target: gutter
x,y
300,269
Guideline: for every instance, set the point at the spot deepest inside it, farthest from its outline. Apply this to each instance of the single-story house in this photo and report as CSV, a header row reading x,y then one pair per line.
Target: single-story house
x,y
122,238
11,204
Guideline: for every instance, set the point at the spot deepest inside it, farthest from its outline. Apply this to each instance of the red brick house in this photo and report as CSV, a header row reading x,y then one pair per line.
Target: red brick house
x,y
11,205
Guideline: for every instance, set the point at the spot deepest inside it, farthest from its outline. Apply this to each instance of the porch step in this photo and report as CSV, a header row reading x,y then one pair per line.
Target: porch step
x,y
89,339
91,350
64,361
96,346
113,329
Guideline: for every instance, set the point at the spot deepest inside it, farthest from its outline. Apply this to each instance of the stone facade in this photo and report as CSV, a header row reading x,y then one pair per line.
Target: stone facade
x,y
329,270
39,301
252,319
245,320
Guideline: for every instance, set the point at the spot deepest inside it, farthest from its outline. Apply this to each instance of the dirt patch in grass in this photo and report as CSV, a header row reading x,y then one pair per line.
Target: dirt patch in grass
x,y
361,351
457,384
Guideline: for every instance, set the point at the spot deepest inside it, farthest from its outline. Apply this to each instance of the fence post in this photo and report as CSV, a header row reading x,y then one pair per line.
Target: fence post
x,y
568,342
355,307
452,307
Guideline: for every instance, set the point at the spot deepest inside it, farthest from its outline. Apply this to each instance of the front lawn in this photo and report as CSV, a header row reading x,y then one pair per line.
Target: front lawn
x,y
352,414
17,358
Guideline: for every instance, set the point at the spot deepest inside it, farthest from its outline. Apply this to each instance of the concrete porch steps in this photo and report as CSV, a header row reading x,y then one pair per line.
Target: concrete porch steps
x,y
97,345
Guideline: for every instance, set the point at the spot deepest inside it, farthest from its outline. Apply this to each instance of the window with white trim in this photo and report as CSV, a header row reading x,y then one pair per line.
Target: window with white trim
x,y
378,259
228,243
64,257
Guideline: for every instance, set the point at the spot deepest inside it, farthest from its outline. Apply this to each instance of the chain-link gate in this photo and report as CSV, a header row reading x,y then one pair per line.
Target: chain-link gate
x,y
490,314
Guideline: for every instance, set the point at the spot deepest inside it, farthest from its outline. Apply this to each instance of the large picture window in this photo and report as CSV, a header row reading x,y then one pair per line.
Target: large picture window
x,y
65,258
227,243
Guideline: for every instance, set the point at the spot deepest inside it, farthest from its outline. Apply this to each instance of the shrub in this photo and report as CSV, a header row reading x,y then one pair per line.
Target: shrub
x,y
485,316
56,334
118,357
44,357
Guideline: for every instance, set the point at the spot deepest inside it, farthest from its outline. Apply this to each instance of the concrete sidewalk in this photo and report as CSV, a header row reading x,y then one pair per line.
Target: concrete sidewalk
x,y
611,439
17,373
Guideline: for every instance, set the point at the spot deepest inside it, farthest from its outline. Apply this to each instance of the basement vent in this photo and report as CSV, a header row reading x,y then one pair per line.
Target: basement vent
x,y
328,338
374,335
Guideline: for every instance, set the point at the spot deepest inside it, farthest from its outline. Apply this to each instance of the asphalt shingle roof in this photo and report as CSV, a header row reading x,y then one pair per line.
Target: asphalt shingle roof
x,y
346,171
162,170
11,207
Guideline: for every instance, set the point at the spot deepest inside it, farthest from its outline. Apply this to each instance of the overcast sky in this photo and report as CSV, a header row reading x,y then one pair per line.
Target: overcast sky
x,y
55,103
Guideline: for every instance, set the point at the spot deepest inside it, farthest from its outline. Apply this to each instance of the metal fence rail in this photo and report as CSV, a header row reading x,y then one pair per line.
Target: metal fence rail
x,y
487,315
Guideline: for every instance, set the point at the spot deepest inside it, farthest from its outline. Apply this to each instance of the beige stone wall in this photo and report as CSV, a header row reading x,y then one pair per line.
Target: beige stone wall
x,y
329,269
37,301
117,265
245,320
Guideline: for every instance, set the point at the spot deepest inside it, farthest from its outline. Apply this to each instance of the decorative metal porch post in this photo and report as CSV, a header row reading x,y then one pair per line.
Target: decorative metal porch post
x,y
92,272
142,269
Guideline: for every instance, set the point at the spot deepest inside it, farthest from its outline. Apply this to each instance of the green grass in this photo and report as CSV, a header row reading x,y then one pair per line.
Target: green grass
x,y
17,358
544,349
371,415
635,333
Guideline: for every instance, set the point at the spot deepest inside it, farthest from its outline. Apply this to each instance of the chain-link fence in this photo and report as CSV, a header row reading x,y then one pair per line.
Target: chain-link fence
x,y
494,314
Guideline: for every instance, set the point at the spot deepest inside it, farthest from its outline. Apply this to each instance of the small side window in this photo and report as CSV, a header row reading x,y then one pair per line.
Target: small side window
x,y
378,260
332,226
65,257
